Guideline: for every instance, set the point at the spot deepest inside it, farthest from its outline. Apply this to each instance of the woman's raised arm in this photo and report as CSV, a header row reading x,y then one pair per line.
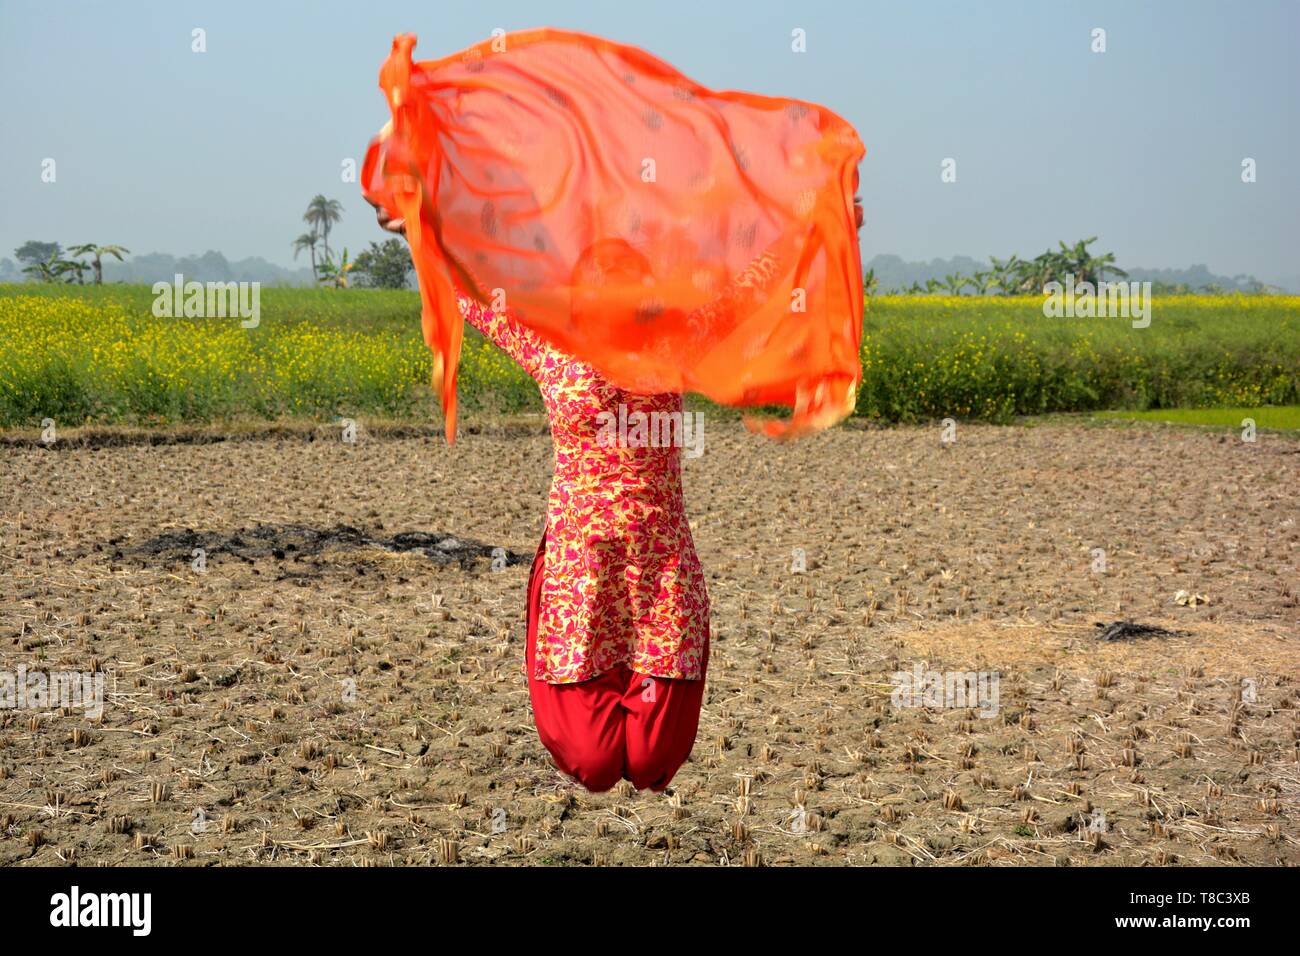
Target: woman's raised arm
x,y
506,332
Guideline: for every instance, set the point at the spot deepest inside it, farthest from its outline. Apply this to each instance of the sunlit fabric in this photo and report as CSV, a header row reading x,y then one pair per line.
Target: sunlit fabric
x,y
623,212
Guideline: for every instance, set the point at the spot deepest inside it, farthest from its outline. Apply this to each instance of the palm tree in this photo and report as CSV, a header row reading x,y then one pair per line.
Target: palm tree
x,y
98,252
321,214
307,241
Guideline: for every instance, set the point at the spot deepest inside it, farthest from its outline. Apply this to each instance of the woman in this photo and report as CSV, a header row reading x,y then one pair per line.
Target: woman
x,y
617,642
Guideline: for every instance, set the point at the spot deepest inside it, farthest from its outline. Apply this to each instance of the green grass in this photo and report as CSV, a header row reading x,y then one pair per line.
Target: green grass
x,y
85,354
1274,417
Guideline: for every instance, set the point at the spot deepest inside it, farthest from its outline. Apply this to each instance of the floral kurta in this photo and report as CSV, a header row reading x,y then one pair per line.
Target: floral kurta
x,y
621,583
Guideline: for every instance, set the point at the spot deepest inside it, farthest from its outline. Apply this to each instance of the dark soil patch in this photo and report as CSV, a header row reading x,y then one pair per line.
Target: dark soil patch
x,y
1130,630
292,541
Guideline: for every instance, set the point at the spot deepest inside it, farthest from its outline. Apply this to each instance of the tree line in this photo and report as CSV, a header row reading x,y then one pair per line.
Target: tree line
x,y
1016,276
385,265
50,262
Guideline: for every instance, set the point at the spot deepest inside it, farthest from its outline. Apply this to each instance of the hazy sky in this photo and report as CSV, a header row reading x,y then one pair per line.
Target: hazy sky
x,y
162,149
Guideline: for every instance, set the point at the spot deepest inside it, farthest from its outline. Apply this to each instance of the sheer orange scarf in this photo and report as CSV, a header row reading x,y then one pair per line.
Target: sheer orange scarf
x,y
673,237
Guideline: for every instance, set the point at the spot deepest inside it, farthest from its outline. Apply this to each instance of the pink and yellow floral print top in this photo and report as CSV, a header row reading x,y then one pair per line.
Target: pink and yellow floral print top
x,y
621,581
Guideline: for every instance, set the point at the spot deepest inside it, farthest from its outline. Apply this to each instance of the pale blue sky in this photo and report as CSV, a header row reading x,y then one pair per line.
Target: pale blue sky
x,y
162,149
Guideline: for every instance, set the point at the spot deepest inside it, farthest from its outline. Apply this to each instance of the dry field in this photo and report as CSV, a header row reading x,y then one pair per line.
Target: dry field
x,y
341,685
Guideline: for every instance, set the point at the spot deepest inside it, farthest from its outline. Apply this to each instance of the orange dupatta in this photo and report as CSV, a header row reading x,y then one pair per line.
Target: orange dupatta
x,y
673,237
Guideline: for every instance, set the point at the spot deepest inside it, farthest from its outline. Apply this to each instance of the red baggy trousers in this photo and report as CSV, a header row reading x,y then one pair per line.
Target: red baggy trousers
x,y
619,725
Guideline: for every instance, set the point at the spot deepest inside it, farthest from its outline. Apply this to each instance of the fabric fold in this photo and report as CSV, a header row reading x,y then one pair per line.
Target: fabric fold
x,y
673,237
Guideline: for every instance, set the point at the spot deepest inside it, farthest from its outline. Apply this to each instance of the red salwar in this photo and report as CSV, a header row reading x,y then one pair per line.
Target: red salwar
x,y
618,725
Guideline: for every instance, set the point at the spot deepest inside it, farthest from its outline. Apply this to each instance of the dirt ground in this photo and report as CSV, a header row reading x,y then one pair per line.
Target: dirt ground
x,y
340,682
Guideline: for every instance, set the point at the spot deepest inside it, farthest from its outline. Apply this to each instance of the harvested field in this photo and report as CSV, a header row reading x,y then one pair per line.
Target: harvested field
x,y
311,652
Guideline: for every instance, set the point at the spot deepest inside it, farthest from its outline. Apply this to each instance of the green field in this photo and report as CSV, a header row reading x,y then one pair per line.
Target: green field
x,y
97,355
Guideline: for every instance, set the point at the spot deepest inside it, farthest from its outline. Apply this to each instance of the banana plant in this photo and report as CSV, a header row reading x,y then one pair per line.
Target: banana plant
x,y
336,275
49,269
983,282
74,270
97,252
955,283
